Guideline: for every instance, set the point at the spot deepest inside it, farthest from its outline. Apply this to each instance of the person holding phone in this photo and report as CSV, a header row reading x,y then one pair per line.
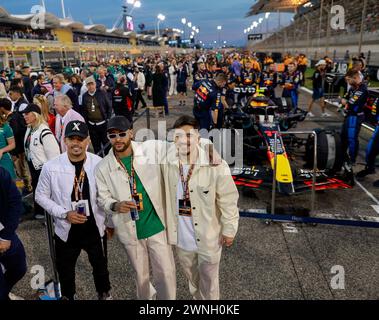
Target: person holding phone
x,y
67,191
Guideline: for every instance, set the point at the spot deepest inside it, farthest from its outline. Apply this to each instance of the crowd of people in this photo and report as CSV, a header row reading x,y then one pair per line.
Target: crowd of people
x,y
187,200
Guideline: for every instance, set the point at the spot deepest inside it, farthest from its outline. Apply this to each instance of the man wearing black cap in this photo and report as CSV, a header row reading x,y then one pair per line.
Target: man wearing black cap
x,y
130,189
79,222
96,110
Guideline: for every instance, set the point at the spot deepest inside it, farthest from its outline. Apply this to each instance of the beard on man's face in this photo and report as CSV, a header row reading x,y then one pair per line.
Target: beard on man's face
x,y
121,146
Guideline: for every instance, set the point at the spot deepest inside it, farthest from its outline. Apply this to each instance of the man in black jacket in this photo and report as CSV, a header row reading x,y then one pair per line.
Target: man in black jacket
x,y
28,85
38,87
12,253
105,82
122,100
96,110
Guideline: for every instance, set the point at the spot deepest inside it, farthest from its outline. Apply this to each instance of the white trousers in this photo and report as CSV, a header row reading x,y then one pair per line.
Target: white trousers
x,y
202,272
156,251
173,85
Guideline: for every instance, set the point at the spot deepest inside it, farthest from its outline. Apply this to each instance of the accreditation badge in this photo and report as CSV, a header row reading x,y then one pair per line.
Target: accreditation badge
x,y
185,208
139,201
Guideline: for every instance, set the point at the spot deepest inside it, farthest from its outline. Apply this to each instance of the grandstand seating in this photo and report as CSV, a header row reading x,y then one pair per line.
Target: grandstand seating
x,y
297,31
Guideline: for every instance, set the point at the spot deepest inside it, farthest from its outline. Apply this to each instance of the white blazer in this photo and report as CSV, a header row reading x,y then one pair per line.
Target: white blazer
x,y
54,191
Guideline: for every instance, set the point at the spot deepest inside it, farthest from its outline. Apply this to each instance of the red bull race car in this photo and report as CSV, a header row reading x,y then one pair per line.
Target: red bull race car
x,y
269,146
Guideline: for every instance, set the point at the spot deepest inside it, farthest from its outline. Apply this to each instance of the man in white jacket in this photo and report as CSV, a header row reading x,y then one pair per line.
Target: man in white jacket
x,y
129,183
140,82
172,70
67,191
202,212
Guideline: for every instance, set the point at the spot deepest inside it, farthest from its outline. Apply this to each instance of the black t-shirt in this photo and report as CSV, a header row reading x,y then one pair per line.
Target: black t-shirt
x,y
89,228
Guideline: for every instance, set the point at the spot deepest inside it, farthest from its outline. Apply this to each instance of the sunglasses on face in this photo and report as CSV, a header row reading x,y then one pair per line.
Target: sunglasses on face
x,y
117,135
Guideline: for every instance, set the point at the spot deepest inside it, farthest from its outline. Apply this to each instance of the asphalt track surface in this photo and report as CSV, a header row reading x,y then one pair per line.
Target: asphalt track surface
x,y
275,261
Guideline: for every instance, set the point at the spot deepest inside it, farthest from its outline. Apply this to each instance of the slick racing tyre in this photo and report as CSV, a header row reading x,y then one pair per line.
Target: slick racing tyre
x,y
329,151
284,104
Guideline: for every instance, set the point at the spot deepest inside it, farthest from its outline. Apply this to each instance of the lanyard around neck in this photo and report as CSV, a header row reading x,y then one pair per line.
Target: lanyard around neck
x,y
185,181
131,176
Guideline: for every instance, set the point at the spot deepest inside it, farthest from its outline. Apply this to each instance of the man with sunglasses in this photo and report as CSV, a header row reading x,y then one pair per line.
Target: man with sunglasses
x,y
67,191
130,189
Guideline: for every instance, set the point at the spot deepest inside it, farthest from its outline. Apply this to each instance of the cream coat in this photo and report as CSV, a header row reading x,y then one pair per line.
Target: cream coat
x,y
213,196
113,185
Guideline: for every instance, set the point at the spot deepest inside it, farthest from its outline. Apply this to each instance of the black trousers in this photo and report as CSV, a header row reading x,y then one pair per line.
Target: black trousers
x,y
35,176
139,98
67,254
99,138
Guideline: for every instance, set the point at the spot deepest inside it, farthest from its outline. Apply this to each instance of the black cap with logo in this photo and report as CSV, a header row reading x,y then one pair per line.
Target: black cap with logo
x,y
76,129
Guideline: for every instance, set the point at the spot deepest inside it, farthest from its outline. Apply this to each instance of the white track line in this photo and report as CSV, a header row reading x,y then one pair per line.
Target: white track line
x,y
370,195
367,192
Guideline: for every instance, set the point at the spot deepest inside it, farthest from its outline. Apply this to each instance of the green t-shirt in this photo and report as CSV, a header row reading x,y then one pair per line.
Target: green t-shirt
x,y
5,134
6,160
149,223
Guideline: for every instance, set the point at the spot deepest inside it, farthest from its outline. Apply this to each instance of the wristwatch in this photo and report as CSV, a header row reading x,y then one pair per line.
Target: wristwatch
x,y
113,206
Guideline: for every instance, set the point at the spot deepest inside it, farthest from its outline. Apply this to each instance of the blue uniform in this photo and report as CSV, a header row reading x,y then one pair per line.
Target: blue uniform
x,y
373,146
14,259
357,98
201,76
270,81
294,79
207,98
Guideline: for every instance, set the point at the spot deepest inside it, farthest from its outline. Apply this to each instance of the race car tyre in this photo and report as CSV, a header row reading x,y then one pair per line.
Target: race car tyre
x,y
329,151
284,104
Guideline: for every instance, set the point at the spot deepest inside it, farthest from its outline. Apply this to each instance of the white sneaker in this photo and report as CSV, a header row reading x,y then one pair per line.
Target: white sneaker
x,y
310,114
14,297
325,114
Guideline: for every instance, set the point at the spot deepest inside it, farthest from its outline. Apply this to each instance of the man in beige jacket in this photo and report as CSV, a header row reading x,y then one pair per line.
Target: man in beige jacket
x,y
202,212
130,183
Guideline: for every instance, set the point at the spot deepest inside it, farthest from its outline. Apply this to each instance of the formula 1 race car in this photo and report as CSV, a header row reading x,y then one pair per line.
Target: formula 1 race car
x,y
268,146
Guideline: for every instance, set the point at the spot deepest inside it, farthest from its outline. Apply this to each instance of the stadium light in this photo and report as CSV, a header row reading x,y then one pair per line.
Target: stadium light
x,y
267,15
184,20
260,20
189,24
219,27
160,17
193,28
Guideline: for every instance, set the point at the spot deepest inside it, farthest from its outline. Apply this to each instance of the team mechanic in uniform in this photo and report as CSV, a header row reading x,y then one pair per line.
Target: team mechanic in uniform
x,y
354,102
208,108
